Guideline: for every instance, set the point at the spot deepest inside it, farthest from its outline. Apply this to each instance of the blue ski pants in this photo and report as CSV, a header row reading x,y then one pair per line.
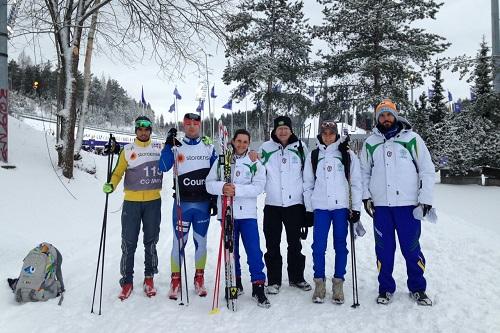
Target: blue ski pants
x,y
322,221
249,232
400,219
133,212
194,214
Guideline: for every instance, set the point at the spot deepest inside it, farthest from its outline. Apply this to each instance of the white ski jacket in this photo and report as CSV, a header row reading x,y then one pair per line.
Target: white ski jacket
x,y
329,190
249,179
284,172
398,171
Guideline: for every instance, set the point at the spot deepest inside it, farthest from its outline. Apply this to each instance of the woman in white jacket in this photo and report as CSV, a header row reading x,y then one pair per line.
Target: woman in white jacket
x,y
248,181
326,193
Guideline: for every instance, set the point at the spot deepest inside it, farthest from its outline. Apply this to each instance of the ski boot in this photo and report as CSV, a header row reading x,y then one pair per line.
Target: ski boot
x,y
126,291
421,298
199,283
338,291
259,295
175,285
149,286
384,298
319,290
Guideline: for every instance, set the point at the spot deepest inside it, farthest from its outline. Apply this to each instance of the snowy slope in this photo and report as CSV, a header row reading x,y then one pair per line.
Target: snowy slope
x,y
462,252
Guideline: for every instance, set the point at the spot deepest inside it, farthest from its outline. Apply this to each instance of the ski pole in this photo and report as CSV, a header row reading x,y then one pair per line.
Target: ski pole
x,y
102,243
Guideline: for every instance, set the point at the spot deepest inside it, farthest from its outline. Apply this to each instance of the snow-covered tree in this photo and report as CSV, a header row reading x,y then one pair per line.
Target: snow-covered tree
x,y
438,107
482,75
172,31
377,45
419,117
268,51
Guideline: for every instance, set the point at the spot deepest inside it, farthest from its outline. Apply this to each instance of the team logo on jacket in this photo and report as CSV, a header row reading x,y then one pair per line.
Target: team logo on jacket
x,y
133,156
181,158
329,168
283,160
238,173
403,153
389,153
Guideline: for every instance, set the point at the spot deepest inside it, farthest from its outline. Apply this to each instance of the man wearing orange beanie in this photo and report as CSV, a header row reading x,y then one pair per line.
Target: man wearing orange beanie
x,y
398,176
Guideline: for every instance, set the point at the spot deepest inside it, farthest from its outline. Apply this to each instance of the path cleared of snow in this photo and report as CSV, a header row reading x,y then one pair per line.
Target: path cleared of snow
x,y
462,252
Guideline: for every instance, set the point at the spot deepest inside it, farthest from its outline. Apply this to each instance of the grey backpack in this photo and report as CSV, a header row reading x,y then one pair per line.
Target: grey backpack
x,y
41,276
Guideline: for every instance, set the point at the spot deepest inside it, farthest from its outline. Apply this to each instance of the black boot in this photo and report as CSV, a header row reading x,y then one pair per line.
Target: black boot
x,y
259,295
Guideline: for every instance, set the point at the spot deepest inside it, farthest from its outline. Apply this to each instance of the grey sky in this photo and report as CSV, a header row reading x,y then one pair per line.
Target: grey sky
x,y
462,22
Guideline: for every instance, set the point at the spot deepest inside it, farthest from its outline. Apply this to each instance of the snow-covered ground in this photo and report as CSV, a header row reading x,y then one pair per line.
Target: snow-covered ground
x,y
462,252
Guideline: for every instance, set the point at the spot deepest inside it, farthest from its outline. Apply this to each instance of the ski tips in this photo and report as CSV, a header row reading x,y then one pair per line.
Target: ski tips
x,y
214,311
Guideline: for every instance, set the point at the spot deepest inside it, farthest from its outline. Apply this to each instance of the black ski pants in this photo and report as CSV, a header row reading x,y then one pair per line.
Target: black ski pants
x,y
275,218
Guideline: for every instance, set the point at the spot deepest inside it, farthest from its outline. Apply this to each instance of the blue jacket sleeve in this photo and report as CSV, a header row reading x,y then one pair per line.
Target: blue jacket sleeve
x,y
166,159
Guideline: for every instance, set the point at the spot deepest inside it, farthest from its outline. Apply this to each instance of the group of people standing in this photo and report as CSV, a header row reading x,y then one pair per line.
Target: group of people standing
x,y
324,188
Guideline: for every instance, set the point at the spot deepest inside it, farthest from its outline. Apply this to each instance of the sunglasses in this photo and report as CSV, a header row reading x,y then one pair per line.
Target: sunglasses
x,y
328,124
192,116
142,123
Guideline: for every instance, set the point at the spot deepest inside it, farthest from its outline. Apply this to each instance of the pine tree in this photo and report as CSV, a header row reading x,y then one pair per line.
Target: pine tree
x,y
482,75
268,51
419,118
375,43
438,107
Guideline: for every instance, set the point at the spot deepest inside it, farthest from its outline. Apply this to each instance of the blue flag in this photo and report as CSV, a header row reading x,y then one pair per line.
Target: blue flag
x,y
430,93
450,97
473,96
172,108
277,88
457,107
310,92
201,106
212,92
243,91
143,100
176,93
228,105
259,106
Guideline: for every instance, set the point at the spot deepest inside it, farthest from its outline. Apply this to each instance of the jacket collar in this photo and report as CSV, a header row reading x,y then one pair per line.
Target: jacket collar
x,y
139,143
190,141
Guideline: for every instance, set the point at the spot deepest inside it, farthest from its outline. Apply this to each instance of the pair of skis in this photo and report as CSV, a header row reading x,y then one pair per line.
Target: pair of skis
x,y
227,230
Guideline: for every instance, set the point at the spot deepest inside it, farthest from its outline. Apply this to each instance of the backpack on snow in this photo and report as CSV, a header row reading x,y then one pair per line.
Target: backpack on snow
x,y
41,276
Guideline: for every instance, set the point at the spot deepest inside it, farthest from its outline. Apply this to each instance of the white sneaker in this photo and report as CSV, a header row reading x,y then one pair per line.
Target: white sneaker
x,y
273,289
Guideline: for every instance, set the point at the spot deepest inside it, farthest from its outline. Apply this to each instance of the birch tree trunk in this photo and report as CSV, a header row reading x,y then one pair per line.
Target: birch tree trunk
x,y
86,81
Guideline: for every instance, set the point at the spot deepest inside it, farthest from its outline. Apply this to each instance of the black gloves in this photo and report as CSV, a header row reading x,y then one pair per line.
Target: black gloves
x,y
213,206
344,146
171,140
354,216
425,209
114,148
308,222
369,207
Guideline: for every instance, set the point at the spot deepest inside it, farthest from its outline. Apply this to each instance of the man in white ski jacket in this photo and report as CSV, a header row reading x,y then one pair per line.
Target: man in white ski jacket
x,y
327,194
398,175
283,157
248,181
